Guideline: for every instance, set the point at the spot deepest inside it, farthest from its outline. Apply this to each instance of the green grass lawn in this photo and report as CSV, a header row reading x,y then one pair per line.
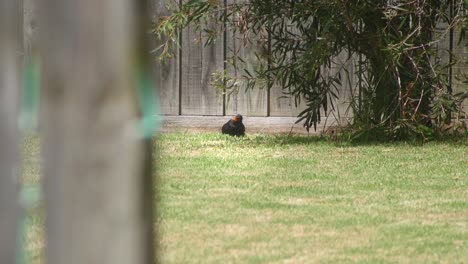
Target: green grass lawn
x,y
279,199
266,199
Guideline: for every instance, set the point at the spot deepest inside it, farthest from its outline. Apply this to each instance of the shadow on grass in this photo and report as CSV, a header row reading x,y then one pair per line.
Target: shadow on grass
x,y
454,140
287,139
204,139
341,142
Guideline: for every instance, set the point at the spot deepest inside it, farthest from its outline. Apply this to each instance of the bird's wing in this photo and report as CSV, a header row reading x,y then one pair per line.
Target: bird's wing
x,y
226,127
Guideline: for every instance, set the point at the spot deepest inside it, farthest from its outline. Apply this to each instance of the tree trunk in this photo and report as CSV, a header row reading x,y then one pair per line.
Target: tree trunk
x,y
10,63
97,173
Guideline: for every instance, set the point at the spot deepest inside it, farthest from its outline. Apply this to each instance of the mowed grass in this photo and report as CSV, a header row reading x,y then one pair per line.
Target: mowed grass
x,y
33,240
279,199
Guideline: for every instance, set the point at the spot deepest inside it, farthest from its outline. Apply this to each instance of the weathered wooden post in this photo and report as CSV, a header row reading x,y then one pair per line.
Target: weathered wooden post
x,y
10,72
96,178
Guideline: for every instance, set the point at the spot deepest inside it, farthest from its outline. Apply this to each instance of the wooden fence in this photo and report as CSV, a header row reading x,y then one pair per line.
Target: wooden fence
x,y
184,81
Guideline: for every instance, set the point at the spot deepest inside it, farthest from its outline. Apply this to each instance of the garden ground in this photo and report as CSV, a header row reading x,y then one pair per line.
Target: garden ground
x,y
280,199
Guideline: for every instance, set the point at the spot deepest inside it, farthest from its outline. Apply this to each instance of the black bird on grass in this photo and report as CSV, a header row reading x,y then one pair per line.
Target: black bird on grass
x,y
234,127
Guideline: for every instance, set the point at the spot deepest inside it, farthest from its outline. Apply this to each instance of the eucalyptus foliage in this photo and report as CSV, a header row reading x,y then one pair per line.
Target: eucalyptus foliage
x,y
394,44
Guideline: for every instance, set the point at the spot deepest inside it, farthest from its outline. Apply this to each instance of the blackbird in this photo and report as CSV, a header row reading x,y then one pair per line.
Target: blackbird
x,y
234,127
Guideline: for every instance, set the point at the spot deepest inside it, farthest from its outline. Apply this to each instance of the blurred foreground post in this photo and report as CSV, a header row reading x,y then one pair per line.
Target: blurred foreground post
x,y
97,173
10,63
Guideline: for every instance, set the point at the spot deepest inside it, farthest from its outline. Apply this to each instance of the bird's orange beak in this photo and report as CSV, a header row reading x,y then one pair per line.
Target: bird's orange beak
x,y
235,119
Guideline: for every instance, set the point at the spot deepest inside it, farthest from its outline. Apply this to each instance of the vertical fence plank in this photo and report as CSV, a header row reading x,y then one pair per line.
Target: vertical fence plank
x,y
95,163
166,73
246,102
198,65
442,37
284,105
345,66
10,61
460,70
281,103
